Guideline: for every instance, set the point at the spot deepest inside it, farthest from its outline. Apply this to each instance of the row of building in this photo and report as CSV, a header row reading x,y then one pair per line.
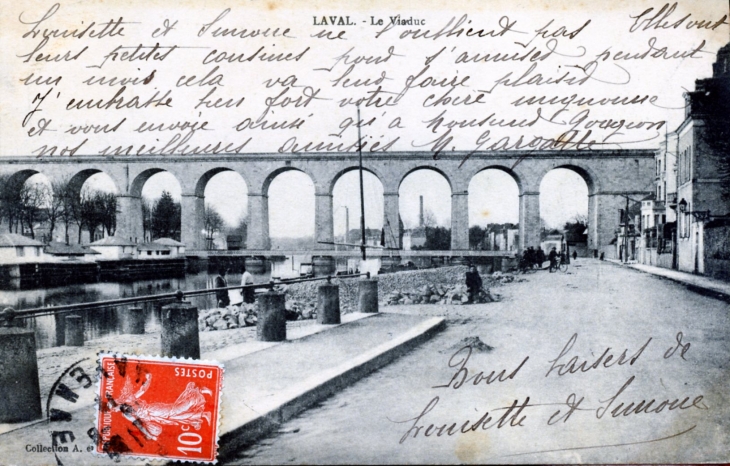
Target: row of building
x,y
19,249
685,223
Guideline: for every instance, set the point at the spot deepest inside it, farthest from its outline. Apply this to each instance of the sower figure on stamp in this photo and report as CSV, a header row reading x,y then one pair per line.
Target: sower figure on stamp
x,y
187,409
473,283
221,294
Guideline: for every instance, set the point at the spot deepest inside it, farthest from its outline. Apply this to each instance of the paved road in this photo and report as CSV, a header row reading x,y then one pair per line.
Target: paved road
x,y
606,306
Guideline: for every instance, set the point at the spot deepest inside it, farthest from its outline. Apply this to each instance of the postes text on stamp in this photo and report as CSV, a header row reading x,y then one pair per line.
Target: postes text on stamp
x,y
158,407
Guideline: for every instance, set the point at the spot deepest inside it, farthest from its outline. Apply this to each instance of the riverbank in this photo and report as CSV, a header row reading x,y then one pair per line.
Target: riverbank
x,y
389,283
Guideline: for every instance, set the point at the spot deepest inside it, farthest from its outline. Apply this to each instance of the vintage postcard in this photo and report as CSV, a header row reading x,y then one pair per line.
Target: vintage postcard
x,y
411,232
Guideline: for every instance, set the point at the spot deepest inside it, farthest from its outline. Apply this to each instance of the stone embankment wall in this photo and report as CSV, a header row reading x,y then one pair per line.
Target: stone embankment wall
x,y
446,283
400,282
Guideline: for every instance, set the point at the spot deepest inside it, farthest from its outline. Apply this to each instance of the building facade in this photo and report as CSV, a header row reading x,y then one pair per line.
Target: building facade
x,y
699,190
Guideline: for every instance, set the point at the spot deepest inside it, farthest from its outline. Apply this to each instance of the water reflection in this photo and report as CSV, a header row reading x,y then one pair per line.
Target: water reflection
x,y
50,329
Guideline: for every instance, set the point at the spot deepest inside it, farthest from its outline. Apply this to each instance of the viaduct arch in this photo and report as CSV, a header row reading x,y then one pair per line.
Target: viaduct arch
x,y
609,174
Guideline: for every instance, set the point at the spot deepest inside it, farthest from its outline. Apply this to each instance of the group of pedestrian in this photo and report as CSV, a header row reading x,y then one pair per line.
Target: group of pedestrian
x,y
533,257
222,297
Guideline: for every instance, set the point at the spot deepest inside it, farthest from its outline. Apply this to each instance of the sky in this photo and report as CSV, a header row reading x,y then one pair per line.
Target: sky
x,y
493,198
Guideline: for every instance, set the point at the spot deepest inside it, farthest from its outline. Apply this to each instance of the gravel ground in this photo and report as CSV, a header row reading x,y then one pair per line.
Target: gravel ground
x,y
606,306
53,361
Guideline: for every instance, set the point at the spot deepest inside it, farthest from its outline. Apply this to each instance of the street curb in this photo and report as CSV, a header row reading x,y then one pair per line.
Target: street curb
x,y
701,290
298,398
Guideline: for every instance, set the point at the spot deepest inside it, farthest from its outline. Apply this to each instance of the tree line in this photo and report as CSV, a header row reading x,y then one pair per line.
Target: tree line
x,y
162,218
23,208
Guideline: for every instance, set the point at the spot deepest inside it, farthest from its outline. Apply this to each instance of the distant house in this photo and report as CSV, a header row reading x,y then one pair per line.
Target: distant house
x,y
153,251
553,241
177,249
70,252
414,238
629,233
19,249
501,237
114,248
659,211
234,242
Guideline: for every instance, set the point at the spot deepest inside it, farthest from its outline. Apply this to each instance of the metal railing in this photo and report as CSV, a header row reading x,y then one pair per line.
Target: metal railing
x,y
9,315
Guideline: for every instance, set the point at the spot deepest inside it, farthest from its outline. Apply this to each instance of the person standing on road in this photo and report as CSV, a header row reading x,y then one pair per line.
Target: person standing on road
x,y
575,254
553,256
530,256
221,295
540,256
473,283
249,294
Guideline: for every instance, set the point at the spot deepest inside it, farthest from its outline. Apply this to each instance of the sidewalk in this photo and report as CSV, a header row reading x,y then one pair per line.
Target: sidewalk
x,y
698,283
264,384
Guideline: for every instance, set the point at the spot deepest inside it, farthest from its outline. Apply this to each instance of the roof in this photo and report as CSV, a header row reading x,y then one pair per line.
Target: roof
x,y
169,242
112,241
62,249
650,197
152,247
14,239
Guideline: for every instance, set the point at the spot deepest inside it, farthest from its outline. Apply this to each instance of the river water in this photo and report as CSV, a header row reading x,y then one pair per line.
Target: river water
x,y
49,329
101,322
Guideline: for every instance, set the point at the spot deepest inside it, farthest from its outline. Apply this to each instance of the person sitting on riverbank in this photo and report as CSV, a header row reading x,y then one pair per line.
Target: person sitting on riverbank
x,y
249,294
221,295
473,283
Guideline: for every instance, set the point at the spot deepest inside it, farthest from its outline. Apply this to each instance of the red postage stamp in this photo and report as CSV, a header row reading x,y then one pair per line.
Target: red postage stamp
x,y
153,407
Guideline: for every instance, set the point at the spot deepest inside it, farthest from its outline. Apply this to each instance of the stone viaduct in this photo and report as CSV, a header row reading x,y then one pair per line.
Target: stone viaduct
x,y
609,175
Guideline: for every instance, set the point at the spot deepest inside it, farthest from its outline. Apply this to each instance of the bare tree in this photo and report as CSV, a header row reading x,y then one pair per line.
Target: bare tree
x,y
580,218
77,212
107,204
89,210
98,208
54,209
34,199
9,202
213,224
429,219
63,194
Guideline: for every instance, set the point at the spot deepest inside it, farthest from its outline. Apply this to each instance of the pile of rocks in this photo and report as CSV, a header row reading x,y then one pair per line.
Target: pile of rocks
x,y
444,285
409,284
245,315
227,317
503,277
436,294
307,293
416,279
296,310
